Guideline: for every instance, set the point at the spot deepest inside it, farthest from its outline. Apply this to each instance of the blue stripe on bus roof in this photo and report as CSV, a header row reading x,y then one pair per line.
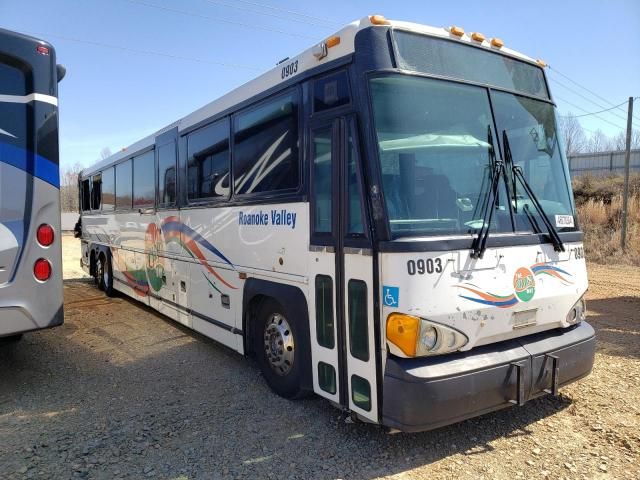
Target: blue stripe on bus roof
x,y
40,167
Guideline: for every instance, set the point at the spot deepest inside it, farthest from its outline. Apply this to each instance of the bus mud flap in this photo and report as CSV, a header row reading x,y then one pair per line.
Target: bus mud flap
x,y
555,374
520,399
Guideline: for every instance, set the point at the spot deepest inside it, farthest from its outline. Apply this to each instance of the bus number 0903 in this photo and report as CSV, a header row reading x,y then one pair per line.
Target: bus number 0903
x,y
422,266
290,69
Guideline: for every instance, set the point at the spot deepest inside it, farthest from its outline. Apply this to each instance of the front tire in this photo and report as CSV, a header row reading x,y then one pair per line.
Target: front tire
x,y
277,344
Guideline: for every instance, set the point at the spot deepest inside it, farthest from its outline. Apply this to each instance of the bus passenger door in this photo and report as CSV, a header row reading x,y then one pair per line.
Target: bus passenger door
x,y
345,353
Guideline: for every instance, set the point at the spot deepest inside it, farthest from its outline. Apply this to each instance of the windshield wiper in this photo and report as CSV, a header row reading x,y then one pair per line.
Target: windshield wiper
x,y
479,244
518,174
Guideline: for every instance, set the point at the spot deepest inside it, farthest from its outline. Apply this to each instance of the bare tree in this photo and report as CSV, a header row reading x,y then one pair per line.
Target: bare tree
x,y
69,188
105,153
599,142
573,134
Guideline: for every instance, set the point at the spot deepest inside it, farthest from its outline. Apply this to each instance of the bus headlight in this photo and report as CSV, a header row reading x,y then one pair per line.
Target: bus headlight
x,y
411,336
578,312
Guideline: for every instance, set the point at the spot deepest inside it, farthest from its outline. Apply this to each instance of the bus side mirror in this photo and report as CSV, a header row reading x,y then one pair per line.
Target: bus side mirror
x,y
61,71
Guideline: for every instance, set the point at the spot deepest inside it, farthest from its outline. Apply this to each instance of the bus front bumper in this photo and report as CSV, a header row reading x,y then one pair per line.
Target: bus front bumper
x,y
427,393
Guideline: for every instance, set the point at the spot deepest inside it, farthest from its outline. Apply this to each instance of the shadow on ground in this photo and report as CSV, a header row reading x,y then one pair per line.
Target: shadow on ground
x,y
617,324
192,408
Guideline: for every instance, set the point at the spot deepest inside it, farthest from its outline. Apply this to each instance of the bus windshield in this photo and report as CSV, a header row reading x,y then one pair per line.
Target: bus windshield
x,y
435,142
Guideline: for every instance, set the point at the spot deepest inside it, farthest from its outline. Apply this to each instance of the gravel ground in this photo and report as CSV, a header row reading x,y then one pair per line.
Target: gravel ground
x,y
122,392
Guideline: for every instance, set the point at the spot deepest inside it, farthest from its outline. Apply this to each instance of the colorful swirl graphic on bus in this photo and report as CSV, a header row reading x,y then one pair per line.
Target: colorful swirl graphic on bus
x,y
524,286
553,271
156,238
487,298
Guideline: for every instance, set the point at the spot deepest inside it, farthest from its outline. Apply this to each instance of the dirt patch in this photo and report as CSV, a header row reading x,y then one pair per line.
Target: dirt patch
x,y
121,392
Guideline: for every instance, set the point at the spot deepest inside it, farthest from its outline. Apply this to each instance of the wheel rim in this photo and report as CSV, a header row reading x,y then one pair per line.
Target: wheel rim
x,y
100,272
105,274
279,346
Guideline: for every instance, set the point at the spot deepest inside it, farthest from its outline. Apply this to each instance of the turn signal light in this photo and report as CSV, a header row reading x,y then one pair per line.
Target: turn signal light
x,y
403,331
42,269
457,31
378,20
45,235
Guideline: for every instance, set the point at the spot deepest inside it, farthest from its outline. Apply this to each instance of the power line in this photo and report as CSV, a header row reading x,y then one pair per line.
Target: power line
x,y
605,109
144,52
584,88
590,113
267,14
291,12
596,113
218,20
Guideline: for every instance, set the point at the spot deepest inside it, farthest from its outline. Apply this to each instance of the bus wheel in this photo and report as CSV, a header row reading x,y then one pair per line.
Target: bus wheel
x,y
275,346
105,278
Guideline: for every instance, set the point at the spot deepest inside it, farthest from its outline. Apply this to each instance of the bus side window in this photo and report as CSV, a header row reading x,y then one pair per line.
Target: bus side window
x,y
96,191
86,195
144,181
123,185
266,147
108,189
331,92
167,174
208,162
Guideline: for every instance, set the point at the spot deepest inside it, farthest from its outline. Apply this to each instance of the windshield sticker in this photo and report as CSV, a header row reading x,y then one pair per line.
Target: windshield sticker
x,y
524,286
564,220
391,296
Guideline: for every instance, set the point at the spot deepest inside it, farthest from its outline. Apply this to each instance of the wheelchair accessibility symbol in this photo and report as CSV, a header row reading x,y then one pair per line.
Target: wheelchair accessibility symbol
x,y
390,296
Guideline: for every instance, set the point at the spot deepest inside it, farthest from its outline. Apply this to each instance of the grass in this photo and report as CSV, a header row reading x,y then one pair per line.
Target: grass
x,y
599,204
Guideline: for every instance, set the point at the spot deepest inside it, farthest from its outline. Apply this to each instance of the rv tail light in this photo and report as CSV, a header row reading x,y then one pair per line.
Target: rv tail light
x,y
42,269
45,235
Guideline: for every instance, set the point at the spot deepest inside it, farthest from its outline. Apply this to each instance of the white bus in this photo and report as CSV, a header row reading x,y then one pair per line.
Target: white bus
x,y
385,220
30,244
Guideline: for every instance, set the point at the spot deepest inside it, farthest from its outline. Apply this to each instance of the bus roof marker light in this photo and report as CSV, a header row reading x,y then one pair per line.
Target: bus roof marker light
x,y
497,42
456,31
542,63
379,20
332,41
477,36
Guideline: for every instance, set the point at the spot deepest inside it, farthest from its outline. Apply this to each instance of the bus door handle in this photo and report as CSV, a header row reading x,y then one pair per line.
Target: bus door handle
x,y
146,211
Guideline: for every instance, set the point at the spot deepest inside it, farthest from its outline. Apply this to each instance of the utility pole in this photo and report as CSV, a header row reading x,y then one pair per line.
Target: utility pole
x,y
625,198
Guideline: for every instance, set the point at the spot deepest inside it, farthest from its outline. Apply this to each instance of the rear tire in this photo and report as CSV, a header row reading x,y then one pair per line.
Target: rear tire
x,y
105,277
275,340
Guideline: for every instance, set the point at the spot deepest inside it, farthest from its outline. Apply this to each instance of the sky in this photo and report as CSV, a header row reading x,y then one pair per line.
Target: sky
x,y
134,66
